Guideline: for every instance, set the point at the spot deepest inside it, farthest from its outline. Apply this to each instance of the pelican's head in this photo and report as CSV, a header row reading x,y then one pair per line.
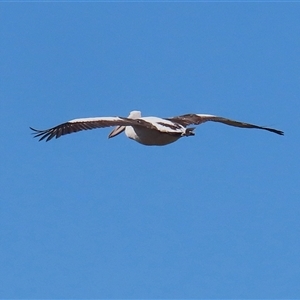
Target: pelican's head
x,y
135,114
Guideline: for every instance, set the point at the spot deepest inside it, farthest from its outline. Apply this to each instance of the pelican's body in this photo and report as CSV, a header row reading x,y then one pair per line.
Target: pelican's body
x,y
150,131
165,133
151,137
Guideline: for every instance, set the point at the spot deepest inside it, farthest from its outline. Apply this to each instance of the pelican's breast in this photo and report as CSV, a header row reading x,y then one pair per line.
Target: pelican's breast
x,y
150,137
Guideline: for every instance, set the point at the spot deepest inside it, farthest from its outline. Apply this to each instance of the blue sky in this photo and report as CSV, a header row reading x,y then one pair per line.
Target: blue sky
x,y
210,216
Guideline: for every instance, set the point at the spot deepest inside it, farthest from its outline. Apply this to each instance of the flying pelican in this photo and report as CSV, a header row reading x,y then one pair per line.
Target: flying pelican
x,y
145,130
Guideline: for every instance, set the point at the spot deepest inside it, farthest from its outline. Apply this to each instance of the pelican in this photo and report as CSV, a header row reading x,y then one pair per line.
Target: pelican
x,y
148,131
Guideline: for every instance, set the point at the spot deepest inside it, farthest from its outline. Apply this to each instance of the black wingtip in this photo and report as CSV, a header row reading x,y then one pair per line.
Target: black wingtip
x,y
38,133
35,130
278,131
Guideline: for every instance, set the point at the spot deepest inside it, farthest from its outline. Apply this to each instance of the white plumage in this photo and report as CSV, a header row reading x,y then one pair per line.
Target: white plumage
x,y
145,130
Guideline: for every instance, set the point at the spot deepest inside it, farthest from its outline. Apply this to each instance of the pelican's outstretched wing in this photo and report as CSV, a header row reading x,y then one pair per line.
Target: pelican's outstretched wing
x,y
197,119
86,124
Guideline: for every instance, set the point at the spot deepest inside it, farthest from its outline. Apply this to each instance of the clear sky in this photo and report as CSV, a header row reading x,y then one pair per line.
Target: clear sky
x,y
210,216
